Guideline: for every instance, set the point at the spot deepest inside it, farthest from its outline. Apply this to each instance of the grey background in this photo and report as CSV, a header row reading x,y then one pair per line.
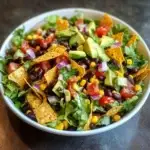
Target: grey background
x,y
133,135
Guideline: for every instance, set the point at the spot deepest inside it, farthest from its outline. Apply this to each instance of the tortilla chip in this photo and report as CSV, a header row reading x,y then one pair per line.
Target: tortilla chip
x,y
18,76
132,40
62,24
142,73
44,113
106,21
118,37
113,111
53,52
80,69
51,75
33,100
87,125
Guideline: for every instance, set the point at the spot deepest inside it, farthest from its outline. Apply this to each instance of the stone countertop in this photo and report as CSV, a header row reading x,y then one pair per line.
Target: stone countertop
x,y
133,135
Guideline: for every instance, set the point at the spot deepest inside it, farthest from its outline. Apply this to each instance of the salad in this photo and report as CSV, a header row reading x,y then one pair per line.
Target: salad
x,y
74,73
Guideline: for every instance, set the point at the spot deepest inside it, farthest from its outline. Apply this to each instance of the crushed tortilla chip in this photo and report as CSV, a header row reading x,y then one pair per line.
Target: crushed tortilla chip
x,y
44,113
87,125
106,21
62,24
50,75
118,37
79,68
132,40
113,111
142,73
53,52
18,76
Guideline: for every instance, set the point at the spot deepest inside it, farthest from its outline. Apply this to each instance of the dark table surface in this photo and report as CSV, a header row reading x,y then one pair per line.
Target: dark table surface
x,y
133,135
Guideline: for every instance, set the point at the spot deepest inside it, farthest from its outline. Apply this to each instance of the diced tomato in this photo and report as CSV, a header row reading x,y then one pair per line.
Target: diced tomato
x,y
92,89
102,30
12,67
98,74
127,92
79,21
45,65
61,58
105,100
50,38
25,46
43,43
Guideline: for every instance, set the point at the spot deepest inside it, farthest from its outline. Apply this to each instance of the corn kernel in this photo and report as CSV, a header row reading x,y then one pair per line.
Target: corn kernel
x,y
43,86
137,87
97,81
119,73
116,118
101,92
35,36
83,82
75,87
29,37
94,119
60,126
65,124
92,79
37,48
131,76
85,91
92,64
78,77
129,61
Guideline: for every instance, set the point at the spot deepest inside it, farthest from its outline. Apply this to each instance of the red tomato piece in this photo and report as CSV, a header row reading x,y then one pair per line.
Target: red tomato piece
x,y
127,92
61,58
93,89
45,65
98,74
12,67
106,100
102,30
25,46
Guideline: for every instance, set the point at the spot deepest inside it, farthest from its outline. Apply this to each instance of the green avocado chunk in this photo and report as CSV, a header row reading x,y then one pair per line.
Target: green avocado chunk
x,y
78,38
77,54
91,28
121,81
110,76
58,88
67,95
106,41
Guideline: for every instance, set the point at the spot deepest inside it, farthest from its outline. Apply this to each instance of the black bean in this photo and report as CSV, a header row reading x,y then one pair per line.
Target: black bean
x,y
57,107
89,74
131,80
92,126
108,92
102,78
39,53
25,108
132,70
33,43
115,63
126,74
116,96
31,115
87,61
71,128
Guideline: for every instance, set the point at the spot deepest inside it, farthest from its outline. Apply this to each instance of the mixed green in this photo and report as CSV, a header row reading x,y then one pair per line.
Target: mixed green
x,y
74,73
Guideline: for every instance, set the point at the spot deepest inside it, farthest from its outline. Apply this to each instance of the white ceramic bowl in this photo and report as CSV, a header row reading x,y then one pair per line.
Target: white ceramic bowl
x,y
68,12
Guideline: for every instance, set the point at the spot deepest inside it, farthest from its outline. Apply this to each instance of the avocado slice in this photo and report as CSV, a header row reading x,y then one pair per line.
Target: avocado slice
x,y
91,27
106,41
58,88
67,95
77,54
121,81
90,47
110,76
102,55
67,33
80,48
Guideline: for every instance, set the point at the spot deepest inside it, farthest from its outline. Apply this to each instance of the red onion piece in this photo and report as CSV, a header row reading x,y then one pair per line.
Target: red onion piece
x,y
62,64
36,86
31,53
116,44
102,67
95,97
82,28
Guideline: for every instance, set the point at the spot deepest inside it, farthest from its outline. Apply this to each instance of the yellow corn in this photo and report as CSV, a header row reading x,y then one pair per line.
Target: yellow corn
x,y
119,73
29,37
129,62
131,76
37,48
92,64
85,91
60,126
43,86
65,124
94,119
78,77
35,36
138,87
75,87
83,82
116,118
101,92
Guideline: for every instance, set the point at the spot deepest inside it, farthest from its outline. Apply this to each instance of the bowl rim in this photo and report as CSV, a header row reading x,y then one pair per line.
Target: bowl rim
x,y
127,117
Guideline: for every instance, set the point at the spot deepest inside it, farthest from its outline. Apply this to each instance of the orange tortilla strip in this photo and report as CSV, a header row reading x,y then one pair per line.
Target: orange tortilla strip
x,y
132,40
113,111
62,24
118,37
18,76
80,69
53,52
44,113
51,75
106,21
